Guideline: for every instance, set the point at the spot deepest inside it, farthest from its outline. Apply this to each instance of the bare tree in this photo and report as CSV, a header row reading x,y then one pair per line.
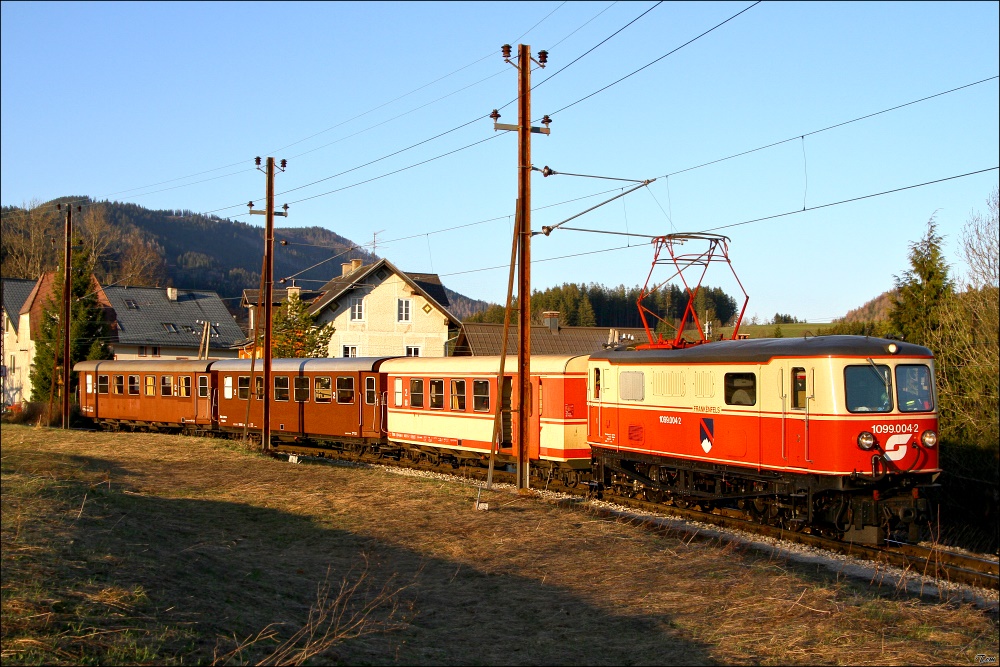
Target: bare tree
x,y
29,236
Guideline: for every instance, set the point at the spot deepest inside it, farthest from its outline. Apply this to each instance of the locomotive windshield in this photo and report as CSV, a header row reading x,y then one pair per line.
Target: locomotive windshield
x,y
868,388
913,388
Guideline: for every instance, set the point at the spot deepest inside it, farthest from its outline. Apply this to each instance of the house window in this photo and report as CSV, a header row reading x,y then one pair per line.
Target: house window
x,y
416,393
281,388
202,386
412,351
150,381
166,385
350,351
458,395
156,351
184,386
357,309
403,310
437,394
371,396
397,391
133,385
243,387
119,386
142,351
102,384
301,390
324,391
345,390
481,395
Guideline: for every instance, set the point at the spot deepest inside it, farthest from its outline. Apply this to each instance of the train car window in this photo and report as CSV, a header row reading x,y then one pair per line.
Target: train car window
x,y
397,391
539,395
133,385
90,383
202,386
102,384
281,388
258,387
741,388
416,393
481,395
868,388
632,385
597,384
243,387
458,395
371,395
166,385
913,388
437,394
324,389
345,390
119,385
150,381
184,386
301,389
799,388
227,387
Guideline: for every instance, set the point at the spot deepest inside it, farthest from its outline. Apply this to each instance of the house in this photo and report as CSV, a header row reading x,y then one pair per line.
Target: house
x,y
168,323
18,349
480,339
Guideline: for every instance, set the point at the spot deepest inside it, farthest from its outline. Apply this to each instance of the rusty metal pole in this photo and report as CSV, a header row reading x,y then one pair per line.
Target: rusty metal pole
x,y
268,280
66,304
524,266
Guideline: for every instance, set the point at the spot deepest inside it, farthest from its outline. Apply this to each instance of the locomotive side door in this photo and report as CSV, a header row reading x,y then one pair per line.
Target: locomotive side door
x,y
795,382
602,420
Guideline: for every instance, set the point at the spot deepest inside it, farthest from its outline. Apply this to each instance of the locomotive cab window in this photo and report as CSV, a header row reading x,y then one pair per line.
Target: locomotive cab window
x,y
913,388
597,384
416,393
166,385
133,385
324,389
437,394
119,385
481,395
102,384
799,388
458,395
741,389
281,388
301,389
371,395
868,388
345,390
243,387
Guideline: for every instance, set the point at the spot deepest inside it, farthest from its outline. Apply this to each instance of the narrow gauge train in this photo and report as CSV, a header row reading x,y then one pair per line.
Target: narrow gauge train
x,y
834,433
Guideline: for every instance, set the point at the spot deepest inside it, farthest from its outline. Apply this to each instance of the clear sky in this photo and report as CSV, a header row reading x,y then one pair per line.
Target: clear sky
x,y
166,105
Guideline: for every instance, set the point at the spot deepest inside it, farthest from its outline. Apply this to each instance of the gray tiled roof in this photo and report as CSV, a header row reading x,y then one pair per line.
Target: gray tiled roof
x,y
142,312
15,293
278,296
479,339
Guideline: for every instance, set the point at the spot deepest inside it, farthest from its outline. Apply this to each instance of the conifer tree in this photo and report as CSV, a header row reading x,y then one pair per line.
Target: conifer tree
x,y
922,289
294,333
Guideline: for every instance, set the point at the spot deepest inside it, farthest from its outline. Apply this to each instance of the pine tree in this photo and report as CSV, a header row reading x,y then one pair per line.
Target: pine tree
x,y
585,313
294,333
922,289
89,332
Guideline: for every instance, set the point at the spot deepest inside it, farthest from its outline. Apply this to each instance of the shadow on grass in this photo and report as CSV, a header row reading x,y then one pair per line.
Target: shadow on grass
x,y
130,577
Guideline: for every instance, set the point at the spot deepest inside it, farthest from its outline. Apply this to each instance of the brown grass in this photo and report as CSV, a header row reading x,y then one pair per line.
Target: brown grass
x,y
131,548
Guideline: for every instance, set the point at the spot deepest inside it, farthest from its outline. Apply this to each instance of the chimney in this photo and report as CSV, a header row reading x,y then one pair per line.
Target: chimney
x,y
294,289
356,264
550,318
345,268
172,294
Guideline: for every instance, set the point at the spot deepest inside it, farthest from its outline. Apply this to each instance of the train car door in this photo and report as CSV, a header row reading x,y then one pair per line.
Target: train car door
x,y
795,381
203,399
602,422
506,416
371,408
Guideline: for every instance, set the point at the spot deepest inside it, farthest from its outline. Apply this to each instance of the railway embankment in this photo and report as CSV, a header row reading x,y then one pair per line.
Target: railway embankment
x,y
129,548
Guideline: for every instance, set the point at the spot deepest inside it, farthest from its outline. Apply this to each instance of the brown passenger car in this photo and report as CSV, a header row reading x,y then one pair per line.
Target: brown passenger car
x,y
160,394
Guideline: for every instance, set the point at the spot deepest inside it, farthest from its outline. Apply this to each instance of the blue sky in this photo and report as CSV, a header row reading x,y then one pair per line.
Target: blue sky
x,y
166,105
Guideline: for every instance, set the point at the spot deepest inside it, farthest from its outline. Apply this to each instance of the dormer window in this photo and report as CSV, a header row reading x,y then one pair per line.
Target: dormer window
x,y
170,327
130,304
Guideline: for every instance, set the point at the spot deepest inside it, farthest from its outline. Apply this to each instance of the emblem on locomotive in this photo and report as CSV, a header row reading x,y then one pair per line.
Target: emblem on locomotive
x,y
706,433
895,447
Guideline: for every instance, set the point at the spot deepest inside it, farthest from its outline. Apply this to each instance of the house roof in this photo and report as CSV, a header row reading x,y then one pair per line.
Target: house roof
x,y
479,339
145,316
15,294
251,296
428,285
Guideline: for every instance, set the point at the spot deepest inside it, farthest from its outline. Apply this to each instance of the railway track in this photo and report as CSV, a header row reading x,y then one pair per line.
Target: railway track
x,y
933,561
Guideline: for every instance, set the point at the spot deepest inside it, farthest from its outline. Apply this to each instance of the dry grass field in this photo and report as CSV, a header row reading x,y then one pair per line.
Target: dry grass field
x,y
152,549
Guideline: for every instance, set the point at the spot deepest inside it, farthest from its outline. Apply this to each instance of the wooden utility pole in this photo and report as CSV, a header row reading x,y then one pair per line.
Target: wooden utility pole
x,y
67,301
268,280
524,130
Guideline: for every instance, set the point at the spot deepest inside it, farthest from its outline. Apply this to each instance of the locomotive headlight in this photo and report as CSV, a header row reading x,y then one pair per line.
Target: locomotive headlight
x,y
866,440
929,438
